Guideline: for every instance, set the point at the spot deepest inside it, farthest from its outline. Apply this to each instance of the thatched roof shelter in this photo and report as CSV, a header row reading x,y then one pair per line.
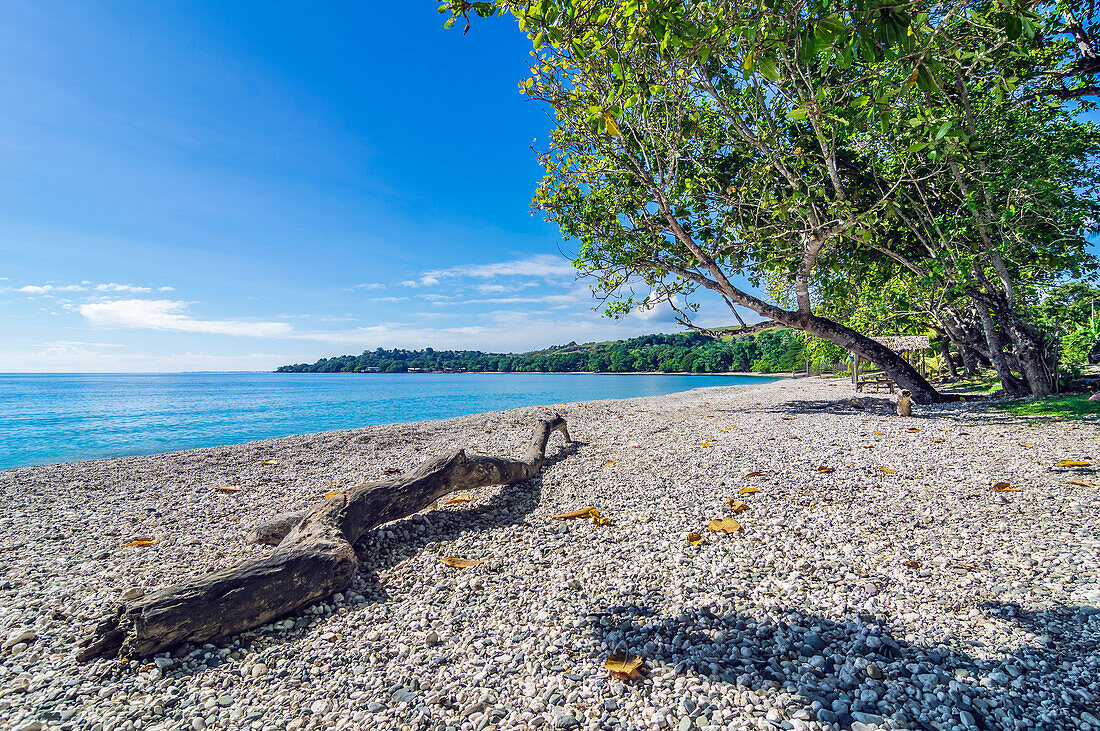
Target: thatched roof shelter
x,y
899,343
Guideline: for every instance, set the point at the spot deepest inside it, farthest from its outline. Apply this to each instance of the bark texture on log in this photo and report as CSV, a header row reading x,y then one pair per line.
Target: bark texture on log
x,y
314,557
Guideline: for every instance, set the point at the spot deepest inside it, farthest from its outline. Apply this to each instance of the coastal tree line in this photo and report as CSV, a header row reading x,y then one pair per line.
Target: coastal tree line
x,y
772,350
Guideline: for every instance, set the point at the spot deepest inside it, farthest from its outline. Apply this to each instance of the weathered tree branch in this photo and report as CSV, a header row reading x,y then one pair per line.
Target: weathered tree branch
x,y
314,558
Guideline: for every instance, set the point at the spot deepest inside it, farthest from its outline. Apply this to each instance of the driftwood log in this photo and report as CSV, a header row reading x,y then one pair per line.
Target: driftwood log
x,y
313,560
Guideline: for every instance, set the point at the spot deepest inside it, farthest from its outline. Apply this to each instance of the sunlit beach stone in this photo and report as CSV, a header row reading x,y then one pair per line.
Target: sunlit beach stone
x,y
809,614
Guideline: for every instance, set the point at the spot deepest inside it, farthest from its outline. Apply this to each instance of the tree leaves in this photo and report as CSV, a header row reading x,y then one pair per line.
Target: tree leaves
x,y
457,499
623,667
724,525
737,506
589,512
462,563
582,513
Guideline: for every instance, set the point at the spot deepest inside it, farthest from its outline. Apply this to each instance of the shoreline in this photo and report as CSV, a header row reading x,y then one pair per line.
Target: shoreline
x,y
748,374
388,400
891,586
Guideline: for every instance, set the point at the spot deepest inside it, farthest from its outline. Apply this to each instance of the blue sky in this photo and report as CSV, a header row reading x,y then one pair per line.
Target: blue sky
x,y
221,186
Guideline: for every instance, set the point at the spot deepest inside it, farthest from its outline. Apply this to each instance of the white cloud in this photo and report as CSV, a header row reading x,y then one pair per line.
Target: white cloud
x,y
369,285
504,288
577,296
85,286
116,287
388,299
428,280
172,315
541,266
544,266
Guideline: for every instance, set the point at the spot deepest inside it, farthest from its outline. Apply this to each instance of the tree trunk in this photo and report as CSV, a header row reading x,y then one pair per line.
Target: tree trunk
x,y
969,358
1029,353
314,559
893,364
1011,384
945,351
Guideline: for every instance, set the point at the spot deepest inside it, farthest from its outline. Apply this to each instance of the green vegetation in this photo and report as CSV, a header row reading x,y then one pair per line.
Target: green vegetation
x,y
1073,406
873,168
773,350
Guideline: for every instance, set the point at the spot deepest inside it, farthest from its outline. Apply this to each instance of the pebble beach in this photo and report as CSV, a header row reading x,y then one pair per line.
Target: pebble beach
x,y
877,580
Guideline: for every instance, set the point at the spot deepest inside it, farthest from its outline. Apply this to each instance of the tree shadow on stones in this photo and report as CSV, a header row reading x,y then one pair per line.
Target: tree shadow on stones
x,y
816,669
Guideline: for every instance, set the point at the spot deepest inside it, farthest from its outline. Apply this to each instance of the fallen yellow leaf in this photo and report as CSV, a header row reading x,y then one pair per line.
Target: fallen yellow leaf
x,y
879,433
868,446
1081,483
590,511
597,520
754,474
269,461
888,471
1004,487
462,563
912,564
331,493
228,489
140,542
737,506
748,490
694,538
725,525
787,418
1074,463
609,462
460,499
826,470
707,444
1024,444
912,430
623,667
938,441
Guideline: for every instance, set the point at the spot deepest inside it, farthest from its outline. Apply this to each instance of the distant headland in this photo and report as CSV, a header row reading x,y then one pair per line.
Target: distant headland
x,y
763,348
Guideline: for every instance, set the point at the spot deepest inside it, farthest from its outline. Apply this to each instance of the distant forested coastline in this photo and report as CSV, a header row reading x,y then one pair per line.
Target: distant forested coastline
x,y
772,350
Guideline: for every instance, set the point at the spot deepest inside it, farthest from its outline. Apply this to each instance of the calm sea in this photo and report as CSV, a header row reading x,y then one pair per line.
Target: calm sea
x,y
48,418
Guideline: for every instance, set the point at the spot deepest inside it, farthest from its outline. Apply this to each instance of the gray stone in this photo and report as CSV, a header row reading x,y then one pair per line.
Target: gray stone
x,y
19,636
813,643
565,720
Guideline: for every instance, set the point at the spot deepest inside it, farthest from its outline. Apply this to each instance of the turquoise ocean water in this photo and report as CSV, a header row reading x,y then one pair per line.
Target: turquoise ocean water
x,y
48,418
